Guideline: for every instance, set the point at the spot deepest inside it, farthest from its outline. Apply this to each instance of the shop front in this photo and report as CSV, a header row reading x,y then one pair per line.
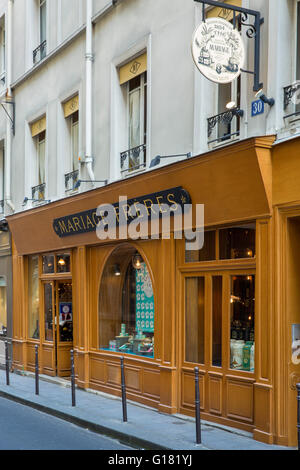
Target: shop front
x,y
164,307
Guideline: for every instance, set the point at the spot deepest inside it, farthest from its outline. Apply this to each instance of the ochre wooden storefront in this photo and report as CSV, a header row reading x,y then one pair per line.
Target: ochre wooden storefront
x,y
238,186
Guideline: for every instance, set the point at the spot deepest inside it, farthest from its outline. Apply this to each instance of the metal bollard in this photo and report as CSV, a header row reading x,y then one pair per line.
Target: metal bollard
x,y
6,363
298,414
123,386
37,389
73,379
197,407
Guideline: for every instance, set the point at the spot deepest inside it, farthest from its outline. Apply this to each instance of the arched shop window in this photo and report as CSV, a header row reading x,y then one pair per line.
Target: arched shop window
x,y
126,304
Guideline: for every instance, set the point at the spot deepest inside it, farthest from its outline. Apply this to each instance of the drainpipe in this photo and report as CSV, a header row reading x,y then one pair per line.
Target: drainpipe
x,y
89,110
8,153
89,57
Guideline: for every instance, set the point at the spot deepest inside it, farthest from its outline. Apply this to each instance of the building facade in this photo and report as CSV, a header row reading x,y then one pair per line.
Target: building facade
x,y
101,100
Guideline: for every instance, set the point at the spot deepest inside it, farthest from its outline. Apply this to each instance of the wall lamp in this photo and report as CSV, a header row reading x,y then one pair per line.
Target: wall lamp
x,y
236,111
156,160
78,184
26,199
260,94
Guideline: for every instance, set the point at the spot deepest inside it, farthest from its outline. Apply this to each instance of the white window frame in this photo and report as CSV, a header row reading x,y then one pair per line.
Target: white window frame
x,y
42,10
141,88
74,125
39,144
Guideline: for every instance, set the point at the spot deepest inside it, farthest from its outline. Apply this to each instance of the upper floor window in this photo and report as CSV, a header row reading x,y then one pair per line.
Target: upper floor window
x,y
226,124
40,52
71,113
133,79
38,130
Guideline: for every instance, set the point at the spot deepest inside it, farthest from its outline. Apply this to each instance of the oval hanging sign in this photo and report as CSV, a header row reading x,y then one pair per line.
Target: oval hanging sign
x,y
218,50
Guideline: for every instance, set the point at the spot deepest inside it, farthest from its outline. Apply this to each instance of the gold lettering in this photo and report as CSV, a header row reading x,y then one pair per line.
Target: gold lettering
x,y
82,222
89,222
94,217
76,223
138,213
62,226
172,202
126,210
116,208
159,203
70,226
151,206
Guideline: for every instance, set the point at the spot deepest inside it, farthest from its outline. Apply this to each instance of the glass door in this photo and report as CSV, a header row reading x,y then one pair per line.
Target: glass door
x,y
58,324
64,322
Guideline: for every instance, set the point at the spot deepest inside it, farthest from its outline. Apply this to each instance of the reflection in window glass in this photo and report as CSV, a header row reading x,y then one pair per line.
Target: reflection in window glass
x,y
207,253
126,306
217,321
33,297
65,307
237,242
48,264
242,302
63,263
194,319
3,307
48,312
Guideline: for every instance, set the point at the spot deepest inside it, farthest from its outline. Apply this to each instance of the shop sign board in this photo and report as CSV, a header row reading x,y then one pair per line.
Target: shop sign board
x,y
87,221
218,50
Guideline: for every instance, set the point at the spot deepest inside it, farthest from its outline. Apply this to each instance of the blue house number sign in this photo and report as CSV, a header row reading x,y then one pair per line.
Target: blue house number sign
x,y
258,107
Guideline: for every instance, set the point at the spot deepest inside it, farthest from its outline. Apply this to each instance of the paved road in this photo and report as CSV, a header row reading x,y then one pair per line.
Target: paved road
x,y
23,428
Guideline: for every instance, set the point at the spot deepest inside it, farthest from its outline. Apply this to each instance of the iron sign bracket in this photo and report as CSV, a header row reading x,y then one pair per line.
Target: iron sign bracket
x,y
12,117
253,31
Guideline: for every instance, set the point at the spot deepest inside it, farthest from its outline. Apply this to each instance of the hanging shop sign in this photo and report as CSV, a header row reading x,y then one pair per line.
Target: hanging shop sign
x,y
218,50
87,221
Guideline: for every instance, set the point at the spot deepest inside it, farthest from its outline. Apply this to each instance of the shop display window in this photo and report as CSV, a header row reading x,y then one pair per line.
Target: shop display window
x,y
242,340
33,297
194,319
237,242
126,305
48,312
63,263
217,283
48,264
207,253
3,307
227,243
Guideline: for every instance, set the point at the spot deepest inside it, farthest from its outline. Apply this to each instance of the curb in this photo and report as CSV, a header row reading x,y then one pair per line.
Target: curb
x,y
123,438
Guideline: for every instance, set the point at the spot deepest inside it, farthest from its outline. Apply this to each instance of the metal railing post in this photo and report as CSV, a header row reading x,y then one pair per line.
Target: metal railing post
x,y
73,378
197,407
37,390
123,386
6,363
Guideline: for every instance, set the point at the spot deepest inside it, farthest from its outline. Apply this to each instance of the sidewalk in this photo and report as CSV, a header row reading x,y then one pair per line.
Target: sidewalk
x,y
146,428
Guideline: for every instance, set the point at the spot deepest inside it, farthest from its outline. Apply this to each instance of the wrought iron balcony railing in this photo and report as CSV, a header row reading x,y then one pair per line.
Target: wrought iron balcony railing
x,y
70,180
40,52
133,159
221,126
291,99
3,77
38,192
